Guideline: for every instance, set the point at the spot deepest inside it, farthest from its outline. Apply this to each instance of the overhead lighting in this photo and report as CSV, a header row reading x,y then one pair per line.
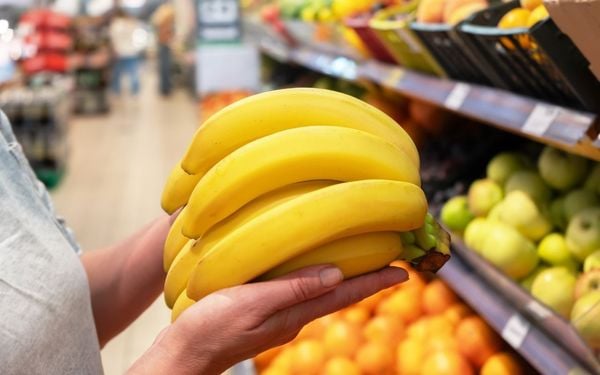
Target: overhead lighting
x,y
133,3
3,26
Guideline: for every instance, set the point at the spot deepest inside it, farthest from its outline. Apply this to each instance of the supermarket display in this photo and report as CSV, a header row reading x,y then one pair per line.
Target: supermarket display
x,y
252,182
418,327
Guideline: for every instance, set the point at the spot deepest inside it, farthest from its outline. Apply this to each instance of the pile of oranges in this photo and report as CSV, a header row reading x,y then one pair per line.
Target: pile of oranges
x,y
418,327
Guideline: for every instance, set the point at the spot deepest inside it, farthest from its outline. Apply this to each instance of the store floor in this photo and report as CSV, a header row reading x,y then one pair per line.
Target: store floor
x,y
117,166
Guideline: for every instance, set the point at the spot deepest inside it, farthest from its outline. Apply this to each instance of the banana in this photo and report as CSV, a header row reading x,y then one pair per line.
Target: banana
x,y
184,263
267,113
354,255
294,155
174,242
178,189
303,223
183,303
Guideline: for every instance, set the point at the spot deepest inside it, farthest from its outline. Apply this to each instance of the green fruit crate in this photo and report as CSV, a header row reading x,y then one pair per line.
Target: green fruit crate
x,y
392,26
541,62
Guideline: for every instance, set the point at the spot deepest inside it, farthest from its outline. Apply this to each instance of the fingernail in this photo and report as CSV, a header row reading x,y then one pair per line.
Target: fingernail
x,y
330,276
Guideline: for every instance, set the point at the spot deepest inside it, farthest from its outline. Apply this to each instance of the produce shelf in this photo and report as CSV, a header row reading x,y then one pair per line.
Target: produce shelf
x,y
548,342
569,129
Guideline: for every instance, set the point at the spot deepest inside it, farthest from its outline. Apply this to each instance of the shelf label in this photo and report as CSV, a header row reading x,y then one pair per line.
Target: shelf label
x,y
218,21
540,119
393,77
538,309
515,330
457,96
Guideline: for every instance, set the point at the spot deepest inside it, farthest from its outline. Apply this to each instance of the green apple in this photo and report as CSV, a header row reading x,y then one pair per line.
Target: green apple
x,y
531,184
592,261
509,250
455,213
555,287
585,318
528,280
592,182
577,200
553,249
476,232
505,164
583,233
561,170
557,213
521,212
483,195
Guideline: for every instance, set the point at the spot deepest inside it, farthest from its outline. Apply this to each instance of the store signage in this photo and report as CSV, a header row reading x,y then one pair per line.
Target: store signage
x,y
219,21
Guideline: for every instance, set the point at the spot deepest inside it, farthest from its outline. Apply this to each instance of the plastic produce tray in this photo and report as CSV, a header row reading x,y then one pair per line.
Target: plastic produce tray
x,y
396,34
541,62
360,24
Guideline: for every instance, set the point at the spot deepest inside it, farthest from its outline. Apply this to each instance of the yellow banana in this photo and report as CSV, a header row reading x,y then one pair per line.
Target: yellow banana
x,y
174,242
303,223
183,303
354,255
267,113
301,154
178,189
186,260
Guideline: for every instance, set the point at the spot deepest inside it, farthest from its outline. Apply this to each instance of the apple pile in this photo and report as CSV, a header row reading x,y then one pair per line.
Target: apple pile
x,y
541,227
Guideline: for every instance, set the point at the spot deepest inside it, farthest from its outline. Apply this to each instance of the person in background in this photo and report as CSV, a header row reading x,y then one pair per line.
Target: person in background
x,y
127,49
164,22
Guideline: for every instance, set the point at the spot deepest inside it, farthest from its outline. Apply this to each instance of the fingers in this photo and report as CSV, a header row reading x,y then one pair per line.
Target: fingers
x,y
347,293
292,289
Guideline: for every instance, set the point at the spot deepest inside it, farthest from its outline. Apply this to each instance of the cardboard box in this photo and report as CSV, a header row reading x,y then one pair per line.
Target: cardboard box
x,y
580,20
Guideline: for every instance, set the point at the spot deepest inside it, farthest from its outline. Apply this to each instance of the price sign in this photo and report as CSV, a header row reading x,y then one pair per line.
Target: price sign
x,y
540,119
218,21
457,96
515,330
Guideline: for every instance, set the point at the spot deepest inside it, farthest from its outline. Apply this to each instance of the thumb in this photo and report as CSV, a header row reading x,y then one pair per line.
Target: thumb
x,y
296,287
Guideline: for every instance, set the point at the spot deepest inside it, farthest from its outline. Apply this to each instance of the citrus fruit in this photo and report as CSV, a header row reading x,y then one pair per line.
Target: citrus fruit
x,y
477,340
457,312
441,342
264,359
437,297
357,314
530,4
308,357
404,304
538,14
410,356
375,358
446,362
384,328
341,339
341,366
502,364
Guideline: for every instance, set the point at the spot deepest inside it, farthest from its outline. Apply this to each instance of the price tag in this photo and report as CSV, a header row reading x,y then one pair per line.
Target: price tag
x,y
218,21
538,309
393,77
457,96
540,119
515,331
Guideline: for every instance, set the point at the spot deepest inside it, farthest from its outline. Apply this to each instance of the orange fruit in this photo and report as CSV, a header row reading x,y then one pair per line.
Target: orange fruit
x,y
375,358
446,362
275,371
415,279
384,328
458,312
312,330
341,339
308,357
356,314
264,359
502,364
419,330
341,366
477,340
283,361
410,356
370,303
441,342
404,304
437,297
441,325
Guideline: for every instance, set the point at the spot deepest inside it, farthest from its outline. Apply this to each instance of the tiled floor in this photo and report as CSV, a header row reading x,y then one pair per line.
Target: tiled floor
x,y
117,167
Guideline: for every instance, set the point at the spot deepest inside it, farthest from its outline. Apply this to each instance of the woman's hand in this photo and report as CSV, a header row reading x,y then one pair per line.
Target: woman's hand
x,y
237,323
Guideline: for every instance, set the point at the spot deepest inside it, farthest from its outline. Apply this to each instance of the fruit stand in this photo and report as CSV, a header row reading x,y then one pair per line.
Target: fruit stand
x,y
518,86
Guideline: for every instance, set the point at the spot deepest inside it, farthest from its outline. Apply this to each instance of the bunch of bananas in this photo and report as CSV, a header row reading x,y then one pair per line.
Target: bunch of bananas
x,y
290,178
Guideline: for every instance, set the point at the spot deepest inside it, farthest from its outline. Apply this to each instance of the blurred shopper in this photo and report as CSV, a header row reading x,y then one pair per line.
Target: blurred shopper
x,y
164,22
124,31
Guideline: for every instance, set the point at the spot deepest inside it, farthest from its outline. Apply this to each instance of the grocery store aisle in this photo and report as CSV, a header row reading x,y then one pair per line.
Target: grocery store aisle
x,y
117,167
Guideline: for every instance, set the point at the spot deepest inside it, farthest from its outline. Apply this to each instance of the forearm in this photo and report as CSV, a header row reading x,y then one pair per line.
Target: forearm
x,y
126,278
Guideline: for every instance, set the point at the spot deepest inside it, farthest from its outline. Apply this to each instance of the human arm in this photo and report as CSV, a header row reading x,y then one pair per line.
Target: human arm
x,y
234,324
126,278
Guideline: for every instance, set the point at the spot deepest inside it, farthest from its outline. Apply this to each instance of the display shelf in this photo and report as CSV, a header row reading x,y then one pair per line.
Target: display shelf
x,y
565,128
547,341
